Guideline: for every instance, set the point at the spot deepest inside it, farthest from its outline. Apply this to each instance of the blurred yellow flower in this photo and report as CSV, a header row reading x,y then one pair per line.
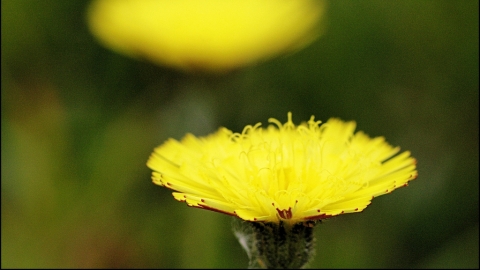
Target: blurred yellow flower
x,y
207,35
284,172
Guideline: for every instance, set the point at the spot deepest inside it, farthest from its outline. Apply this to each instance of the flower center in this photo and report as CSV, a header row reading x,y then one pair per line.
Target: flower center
x,y
285,214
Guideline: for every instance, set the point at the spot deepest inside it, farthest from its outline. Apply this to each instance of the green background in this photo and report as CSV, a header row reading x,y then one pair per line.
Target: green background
x,y
79,122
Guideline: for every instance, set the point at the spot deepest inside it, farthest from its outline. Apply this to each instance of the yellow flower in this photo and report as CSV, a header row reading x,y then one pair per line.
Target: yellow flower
x,y
283,172
208,35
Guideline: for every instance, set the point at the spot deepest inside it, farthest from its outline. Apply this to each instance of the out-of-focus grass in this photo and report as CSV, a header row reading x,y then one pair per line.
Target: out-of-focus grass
x,y
79,122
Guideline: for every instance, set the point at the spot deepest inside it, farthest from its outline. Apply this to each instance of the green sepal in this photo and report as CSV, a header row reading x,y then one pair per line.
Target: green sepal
x,y
276,245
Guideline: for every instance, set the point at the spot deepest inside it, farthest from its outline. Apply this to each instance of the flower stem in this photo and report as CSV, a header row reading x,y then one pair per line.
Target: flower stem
x,y
276,245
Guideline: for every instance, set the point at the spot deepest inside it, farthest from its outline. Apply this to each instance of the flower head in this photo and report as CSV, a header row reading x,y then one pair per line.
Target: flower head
x,y
282,172
209,35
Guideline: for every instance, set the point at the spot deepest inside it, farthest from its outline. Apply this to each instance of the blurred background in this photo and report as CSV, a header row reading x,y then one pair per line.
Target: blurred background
x,y
80,121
